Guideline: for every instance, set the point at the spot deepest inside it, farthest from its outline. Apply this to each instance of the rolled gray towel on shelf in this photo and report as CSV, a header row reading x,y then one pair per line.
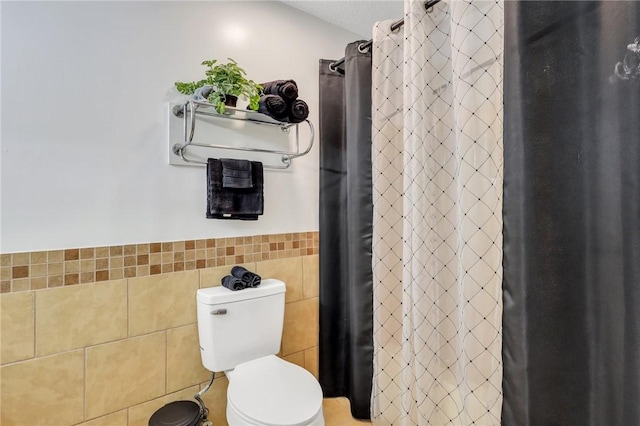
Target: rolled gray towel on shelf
x,y
232,283
287,89
273,106
297,111
202,93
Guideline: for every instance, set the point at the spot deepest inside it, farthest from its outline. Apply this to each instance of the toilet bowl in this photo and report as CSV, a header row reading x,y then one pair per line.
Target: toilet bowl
x,y
269,391
240,332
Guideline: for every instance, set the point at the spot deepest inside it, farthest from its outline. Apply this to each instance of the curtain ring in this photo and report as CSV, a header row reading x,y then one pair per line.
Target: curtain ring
x,y
429,5
361,49
332,67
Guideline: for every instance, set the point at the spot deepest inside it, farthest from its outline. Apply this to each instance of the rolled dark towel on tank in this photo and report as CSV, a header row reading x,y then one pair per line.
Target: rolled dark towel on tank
x,y
232,283
297,111
273,106
287,89
248,278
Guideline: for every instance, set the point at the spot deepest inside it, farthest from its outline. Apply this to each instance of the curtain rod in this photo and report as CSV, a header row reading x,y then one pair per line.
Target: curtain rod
x,y
362,47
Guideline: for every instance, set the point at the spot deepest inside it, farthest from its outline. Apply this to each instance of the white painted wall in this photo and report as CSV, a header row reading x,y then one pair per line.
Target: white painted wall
x,y
85,87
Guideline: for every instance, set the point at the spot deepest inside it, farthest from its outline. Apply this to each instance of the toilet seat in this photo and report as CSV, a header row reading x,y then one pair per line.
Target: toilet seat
x,y
272,392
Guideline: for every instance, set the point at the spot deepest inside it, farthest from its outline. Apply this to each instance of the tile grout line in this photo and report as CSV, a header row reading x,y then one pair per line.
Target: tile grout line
x,y
84,393
127,309
35,323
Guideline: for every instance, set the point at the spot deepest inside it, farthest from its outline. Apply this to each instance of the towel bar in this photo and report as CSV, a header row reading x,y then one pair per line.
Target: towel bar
x,y
189,110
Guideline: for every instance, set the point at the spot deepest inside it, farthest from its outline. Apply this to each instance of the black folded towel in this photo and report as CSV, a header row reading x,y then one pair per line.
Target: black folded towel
x,y
298,111
248,278
232,283
273,106
234,203
287,89
236,173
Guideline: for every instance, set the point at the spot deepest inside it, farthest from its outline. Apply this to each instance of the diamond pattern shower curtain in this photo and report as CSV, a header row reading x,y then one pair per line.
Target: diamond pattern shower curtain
x,y
437,230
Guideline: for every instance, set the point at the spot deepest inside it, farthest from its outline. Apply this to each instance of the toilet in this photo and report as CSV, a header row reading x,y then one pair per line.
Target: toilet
x,y
240,333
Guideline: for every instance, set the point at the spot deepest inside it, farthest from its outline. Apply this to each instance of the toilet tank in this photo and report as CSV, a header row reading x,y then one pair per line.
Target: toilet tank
x,y
237,326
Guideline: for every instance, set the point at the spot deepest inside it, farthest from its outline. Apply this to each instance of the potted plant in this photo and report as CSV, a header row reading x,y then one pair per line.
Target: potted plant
x,y
223,85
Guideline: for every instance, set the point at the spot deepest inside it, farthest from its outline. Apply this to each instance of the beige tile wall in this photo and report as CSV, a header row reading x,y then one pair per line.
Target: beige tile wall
x,y
111,353
56,268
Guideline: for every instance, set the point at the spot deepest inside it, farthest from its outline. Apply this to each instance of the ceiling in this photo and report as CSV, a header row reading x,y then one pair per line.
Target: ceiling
x,y
357,16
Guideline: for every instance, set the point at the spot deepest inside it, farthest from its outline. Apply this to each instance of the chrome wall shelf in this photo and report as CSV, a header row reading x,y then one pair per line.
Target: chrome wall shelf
x,y
189,112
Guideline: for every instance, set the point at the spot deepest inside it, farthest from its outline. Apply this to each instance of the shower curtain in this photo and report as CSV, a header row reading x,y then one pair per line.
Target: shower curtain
x,y
572,213
437,228
346,341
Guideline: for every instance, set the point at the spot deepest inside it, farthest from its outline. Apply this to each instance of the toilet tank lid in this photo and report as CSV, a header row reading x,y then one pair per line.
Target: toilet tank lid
x,y
219,294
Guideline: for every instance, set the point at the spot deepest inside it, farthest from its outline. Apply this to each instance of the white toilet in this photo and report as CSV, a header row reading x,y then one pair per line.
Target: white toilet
x,y
240,333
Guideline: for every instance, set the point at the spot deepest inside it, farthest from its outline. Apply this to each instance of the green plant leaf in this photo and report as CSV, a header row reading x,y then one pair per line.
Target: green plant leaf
x,y
186,88
225,79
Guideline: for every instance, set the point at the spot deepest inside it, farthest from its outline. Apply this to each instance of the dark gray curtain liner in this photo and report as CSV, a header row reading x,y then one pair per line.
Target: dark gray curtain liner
x,y
571,215
346,214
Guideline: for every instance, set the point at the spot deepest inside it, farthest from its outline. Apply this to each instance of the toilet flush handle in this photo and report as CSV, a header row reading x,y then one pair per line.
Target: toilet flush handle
x,y
219,312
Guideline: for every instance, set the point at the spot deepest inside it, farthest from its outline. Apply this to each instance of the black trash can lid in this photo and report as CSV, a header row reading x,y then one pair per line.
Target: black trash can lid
x,y
177,413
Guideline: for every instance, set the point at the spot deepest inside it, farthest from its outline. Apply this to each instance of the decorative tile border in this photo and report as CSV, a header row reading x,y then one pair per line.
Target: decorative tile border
x,y
45,269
